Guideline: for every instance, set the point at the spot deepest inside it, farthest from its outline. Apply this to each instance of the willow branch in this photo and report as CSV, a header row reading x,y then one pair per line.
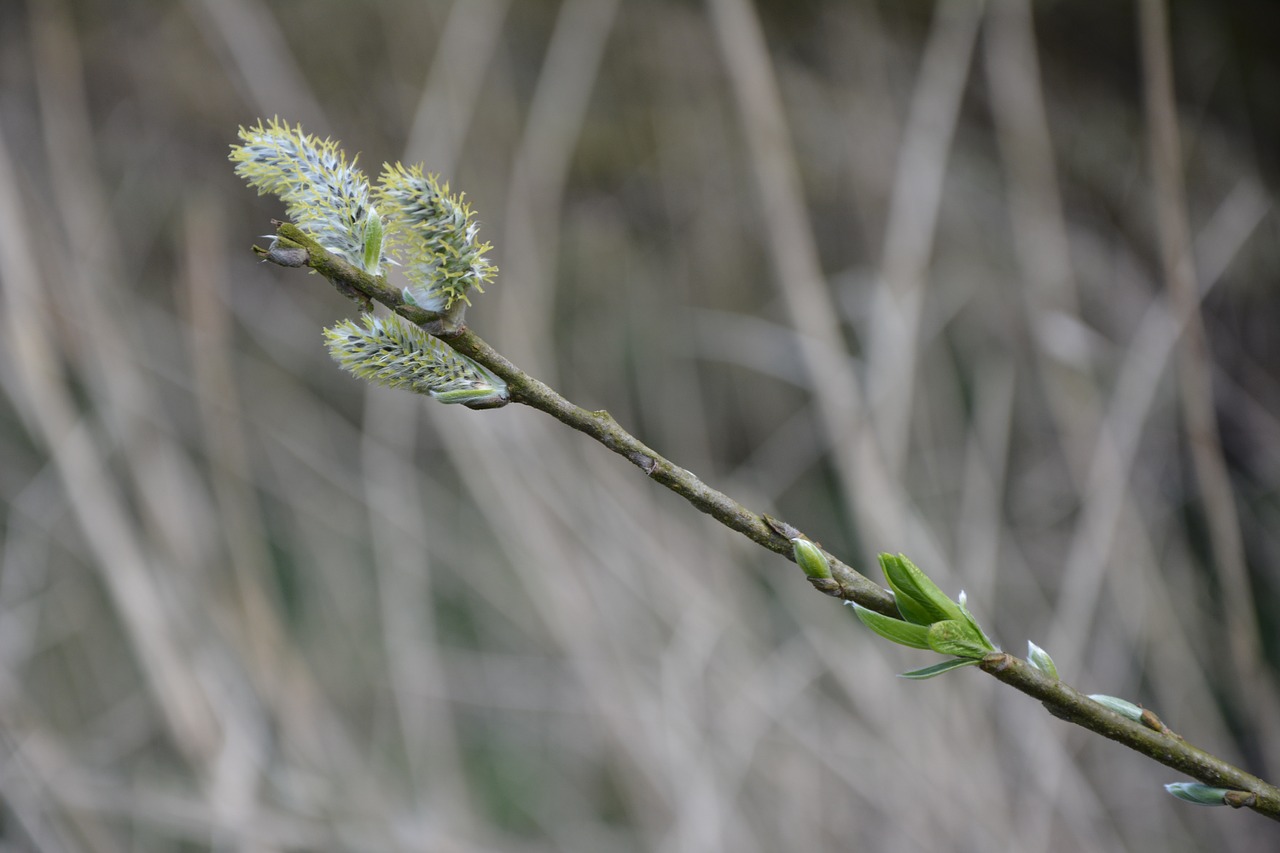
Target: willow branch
x,y
1148,736
1151,736
295,248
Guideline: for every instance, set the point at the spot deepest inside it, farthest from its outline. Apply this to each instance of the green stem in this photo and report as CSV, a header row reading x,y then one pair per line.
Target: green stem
x,y
1060,699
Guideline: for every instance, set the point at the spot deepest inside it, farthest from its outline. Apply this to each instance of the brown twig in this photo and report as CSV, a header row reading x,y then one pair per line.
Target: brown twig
x,y
1060,699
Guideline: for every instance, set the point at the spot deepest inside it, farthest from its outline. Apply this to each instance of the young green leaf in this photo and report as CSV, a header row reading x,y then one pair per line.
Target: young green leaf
x,y
895,630
973,624
919,599
954,637
938,668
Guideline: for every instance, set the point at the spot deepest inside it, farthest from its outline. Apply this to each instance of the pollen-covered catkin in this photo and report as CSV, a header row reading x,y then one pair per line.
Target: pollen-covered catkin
x,y
391,352
324,195
435,235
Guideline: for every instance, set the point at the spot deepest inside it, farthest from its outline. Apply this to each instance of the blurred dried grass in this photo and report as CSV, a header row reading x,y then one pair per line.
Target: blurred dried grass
x,y
893,275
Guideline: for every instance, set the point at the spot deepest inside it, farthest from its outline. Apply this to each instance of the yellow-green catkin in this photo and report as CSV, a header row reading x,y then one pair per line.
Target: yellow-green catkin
x,y
324,195
391,352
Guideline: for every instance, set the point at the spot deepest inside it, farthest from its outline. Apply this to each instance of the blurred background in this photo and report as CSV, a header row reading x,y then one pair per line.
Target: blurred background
x,y
911,276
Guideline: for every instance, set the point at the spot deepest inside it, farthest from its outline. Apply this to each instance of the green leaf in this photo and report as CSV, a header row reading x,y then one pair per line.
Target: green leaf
x,y
895,630
938,668
919,599
1040,659
954,637
1198,793
810,558
973,624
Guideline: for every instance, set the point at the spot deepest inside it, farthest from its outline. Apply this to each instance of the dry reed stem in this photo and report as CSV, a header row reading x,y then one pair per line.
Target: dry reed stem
x,y
1257,695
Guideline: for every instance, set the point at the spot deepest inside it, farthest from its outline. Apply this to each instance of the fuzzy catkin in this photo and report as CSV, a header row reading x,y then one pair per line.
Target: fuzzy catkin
x,y
436,236
396,354
324,195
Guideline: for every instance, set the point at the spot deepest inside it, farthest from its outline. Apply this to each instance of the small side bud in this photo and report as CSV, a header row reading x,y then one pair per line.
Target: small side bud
x,y
285,256
810,558
1199,793
1040,659
1123,707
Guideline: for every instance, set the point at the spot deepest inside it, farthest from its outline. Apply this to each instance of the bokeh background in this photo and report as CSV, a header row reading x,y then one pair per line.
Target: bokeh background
x,y
891,271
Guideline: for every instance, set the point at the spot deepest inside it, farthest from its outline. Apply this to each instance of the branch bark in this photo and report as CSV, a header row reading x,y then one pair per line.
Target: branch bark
x,y
1150,737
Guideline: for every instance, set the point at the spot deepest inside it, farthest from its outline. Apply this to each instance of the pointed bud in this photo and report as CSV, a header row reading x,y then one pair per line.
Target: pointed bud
x,y
1199,793
1123,707
1040,659
373,241
810,558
